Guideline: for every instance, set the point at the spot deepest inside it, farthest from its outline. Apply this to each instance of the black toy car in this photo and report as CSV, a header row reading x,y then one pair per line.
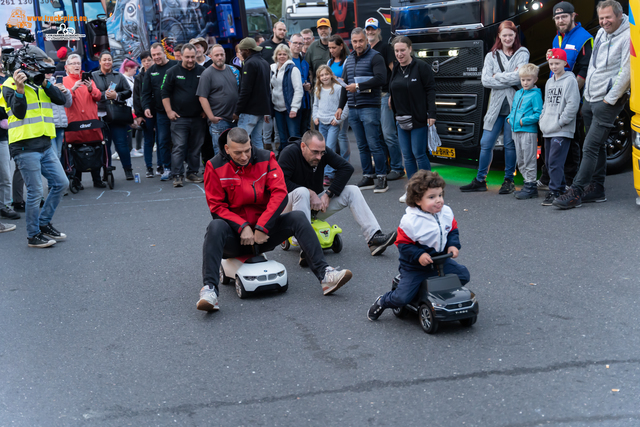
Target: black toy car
x,y
441,299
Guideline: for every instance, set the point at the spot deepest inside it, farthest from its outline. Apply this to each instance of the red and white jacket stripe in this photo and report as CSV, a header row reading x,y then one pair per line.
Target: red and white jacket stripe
x,y
421,232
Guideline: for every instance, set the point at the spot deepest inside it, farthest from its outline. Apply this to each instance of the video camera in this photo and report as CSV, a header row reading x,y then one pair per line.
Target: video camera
x,y
23,59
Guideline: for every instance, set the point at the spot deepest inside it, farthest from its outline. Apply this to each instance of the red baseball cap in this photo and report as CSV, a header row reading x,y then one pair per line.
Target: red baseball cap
x,y
558,54
62,52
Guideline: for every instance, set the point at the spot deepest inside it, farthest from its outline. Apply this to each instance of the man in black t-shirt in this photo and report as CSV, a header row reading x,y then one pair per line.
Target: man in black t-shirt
x,y
185,112
387,121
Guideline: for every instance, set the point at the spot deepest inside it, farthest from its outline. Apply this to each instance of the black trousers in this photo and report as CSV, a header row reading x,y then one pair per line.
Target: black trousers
x,y
220,241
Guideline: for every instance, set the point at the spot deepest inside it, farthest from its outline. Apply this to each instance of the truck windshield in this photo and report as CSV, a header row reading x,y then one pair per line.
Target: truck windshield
x,y
295,25
411,16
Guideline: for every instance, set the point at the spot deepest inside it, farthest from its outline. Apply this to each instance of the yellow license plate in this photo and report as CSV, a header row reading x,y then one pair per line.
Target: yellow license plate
x,y
445,152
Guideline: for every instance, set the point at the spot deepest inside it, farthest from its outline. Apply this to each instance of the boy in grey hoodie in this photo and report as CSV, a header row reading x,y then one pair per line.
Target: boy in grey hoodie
x,y
558,121
605,94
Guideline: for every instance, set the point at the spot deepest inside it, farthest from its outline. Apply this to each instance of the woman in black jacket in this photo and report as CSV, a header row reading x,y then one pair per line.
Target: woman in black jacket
x,y
118,132
413,100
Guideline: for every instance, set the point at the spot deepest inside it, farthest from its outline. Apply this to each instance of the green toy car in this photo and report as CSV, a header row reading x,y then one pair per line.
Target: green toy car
x,y
328,235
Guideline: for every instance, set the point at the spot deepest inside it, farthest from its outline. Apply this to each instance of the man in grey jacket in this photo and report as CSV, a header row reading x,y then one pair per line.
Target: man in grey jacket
x,y
605,94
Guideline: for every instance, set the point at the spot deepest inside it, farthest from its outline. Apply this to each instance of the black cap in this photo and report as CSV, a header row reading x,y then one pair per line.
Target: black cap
x,y
563,7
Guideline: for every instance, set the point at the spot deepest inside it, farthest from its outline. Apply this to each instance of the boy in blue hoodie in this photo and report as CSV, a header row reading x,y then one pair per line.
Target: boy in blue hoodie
x,y
524,116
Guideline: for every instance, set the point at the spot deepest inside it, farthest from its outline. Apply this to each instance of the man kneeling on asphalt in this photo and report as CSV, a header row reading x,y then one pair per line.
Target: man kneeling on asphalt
x,y
303,166
246,194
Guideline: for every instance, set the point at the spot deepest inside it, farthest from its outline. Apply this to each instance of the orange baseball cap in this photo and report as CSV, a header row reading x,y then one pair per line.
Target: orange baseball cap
x,y
323,22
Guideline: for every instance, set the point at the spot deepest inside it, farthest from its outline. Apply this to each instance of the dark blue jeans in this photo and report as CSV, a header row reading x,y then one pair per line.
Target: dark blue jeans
x,y
163,133
287,127
365,123
149,141
118,135
487,143
411,277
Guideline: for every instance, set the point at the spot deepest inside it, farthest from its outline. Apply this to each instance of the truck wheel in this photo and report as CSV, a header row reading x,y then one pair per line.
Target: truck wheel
x,y
285,245
467,323
618,143
427,319
224,279
400,312
337,244
242,294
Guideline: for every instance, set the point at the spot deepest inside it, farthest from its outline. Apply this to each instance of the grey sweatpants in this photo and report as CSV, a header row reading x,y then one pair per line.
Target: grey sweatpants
x,y
526,152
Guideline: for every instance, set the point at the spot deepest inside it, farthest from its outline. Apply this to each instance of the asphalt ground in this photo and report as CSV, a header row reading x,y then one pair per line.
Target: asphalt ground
x,y
102,329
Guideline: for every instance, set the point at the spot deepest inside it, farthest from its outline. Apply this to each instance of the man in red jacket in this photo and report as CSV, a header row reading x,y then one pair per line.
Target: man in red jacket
x,y
246,194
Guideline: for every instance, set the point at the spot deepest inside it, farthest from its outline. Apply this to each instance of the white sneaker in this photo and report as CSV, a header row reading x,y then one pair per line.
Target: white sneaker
x,y
166,175
135,153
334,280
208,299
115,156
403,198
154,147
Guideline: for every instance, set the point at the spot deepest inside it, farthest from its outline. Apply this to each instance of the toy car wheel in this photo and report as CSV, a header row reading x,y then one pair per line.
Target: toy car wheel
x,y
469,321
224,279
284,288
110,180
242,294
285,245
337,244
400,312
427,319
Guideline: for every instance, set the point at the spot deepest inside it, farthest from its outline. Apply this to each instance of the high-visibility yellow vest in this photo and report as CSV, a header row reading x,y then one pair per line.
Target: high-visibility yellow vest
x,y
38,121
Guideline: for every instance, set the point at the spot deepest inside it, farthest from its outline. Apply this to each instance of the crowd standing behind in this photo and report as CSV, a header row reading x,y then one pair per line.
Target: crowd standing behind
x,y
383,92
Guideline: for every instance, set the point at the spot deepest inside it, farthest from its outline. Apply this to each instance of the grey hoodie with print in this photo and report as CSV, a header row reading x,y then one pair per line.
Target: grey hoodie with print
x,y
609,70
561,104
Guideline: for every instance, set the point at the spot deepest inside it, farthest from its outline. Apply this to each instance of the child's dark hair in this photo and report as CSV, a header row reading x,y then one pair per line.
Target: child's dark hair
x,y
420,183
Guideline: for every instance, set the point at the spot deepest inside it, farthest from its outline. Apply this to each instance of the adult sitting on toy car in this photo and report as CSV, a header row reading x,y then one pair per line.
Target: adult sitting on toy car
x,y
246,194
303,165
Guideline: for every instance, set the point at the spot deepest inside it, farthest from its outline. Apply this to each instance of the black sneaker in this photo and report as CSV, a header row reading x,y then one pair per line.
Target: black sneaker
x,y
7,212
128,173
40,241
159,170
393,175
379,242
19,206
474,186
381,186
551,196
569,200
508,187
593,193
99,184
375,310
50,232
150,173
302,262
366,183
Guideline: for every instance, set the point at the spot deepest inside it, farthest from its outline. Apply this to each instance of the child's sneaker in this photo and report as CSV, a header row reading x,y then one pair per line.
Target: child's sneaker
x,y
551,196
542,186
529,191
375,310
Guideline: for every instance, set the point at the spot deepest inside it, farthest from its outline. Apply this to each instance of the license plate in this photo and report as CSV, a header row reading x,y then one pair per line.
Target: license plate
x,y
445,152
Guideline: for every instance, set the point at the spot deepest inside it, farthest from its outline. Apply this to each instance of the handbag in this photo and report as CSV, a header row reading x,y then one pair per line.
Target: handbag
x,y
514,87
405,122
118,113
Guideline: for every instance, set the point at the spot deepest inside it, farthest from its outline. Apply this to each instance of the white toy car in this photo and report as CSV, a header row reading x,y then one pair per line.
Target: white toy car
x,y
257,274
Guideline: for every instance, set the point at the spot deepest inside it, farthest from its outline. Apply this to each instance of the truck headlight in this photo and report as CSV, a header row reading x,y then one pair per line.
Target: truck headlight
x,y
636,140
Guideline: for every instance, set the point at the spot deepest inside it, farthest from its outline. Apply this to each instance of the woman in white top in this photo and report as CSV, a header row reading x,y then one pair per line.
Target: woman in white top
x,y
286,94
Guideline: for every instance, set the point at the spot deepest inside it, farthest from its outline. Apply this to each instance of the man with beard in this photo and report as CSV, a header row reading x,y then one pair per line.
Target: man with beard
x,y
578,44
269,45
318,52
185,112
218,94
388,122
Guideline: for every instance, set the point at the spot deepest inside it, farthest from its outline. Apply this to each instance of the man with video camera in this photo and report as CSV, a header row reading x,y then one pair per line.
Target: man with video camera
x,y
31,128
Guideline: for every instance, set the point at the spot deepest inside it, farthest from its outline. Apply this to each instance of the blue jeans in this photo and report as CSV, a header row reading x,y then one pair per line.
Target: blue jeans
x,y
34,165
330,134
287,127
411,277
253,125
487,143
215,129
414,145
149,141
389,134
365,123
58,141
343,141
163,135
118,135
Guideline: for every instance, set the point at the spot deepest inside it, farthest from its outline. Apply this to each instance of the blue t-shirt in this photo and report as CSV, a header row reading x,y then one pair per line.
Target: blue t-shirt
x,y
336,68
